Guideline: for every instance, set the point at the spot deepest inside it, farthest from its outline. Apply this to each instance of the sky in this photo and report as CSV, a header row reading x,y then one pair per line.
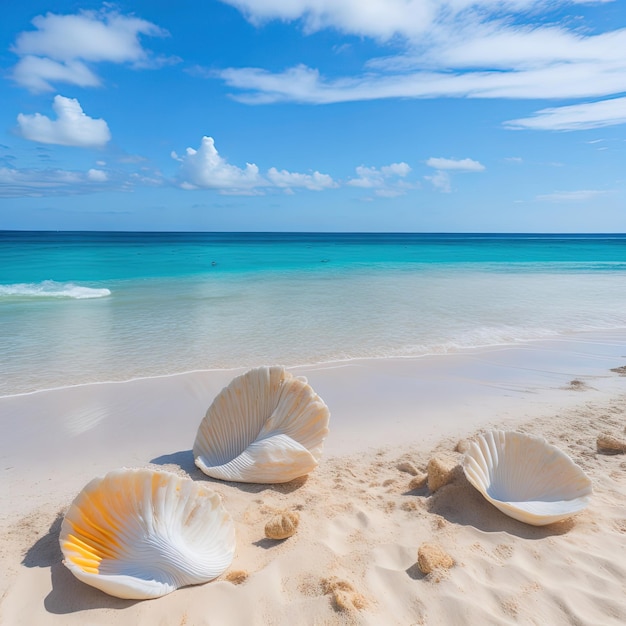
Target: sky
x,y
313,115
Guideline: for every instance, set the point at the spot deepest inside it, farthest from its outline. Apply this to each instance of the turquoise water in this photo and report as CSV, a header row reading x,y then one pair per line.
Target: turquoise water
x,y
86,307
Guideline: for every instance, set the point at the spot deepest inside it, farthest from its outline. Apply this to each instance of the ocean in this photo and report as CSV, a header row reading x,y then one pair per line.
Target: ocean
x,y
81,307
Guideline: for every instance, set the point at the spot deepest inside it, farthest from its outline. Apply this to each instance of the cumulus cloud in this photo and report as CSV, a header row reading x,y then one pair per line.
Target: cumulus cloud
x,y
71,128
206,169
97,176
385,181
580,195
440,181
447,48
462,165
575,117
289,180
62,47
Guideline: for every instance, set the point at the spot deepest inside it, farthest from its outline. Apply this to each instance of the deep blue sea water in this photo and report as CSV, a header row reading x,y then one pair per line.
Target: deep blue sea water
x,y
86,307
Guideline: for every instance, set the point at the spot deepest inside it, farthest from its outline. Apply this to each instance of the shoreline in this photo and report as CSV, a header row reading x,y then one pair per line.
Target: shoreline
x,y
360,522
613,337
417,400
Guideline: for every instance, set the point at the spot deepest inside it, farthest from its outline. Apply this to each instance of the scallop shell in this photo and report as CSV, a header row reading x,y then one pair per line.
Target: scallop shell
x,y
139,533
526,477
266,426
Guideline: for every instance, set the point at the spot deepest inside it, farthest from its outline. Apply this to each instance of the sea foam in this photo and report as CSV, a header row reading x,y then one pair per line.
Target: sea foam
x,y
52,289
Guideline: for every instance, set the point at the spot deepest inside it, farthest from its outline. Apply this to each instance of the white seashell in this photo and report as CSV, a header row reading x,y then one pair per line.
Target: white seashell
x,y
266,426
139,533
526,477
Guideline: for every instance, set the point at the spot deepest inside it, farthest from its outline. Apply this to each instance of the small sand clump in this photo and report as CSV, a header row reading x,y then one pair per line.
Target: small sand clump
x,y
611,444
430,557
282,525
345,596
462,446
408,468
440,473
236,577
418,482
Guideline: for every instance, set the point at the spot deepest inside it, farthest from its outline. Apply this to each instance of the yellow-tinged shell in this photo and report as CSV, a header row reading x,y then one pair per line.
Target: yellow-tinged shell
x,y
266,426
526,477
139,533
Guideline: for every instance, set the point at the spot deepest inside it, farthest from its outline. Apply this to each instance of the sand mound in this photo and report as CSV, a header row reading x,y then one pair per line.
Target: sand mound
x,y
430,557
345,597
608,443
282,525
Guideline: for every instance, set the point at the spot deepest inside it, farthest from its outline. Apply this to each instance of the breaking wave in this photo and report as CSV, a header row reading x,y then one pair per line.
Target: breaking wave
x,y
51,289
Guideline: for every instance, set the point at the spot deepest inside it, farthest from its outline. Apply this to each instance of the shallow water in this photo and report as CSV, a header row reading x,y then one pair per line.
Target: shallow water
x,y
86,307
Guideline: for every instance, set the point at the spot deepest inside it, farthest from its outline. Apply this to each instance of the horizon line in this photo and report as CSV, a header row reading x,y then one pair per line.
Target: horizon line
x,y
306,232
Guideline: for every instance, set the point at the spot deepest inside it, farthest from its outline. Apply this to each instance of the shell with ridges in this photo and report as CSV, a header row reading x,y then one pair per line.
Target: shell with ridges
x,y
139,533
266,426
526,477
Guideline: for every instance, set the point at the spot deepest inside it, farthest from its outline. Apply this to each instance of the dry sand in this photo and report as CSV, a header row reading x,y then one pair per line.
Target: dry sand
x,y
353,559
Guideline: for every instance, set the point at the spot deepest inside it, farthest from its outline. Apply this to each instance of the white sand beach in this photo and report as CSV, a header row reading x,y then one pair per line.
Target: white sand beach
x,y
353,558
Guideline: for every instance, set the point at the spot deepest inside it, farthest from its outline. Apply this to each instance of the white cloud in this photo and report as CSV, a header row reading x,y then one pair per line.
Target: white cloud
x,y
384,19
374,18
448,48
15,182
367,177
306,85
386,182
39,183
62,46
289,180
580,195
441,181
206,169
395,169
97,176
36,73
461,165
71,128
576,117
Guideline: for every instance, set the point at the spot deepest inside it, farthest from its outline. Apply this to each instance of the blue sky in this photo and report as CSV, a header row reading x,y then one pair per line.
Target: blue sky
x,y
314,115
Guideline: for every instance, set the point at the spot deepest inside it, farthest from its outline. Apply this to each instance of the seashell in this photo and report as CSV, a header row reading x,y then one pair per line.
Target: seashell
x,y
266,426
526,478
139,533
